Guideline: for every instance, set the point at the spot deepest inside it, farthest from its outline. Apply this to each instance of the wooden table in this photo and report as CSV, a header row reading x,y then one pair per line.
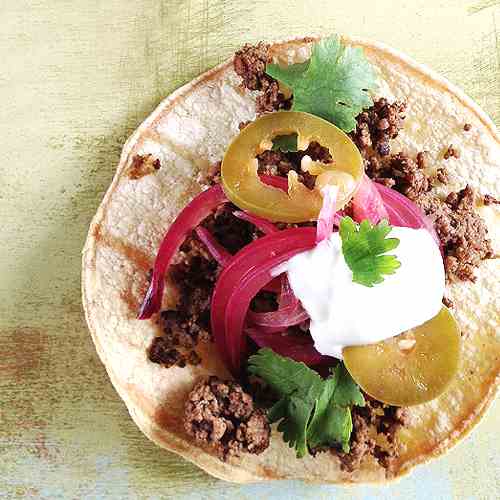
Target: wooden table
x,y
76,78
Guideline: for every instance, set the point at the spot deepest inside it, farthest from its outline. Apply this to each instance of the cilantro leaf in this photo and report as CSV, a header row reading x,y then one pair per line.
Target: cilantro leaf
x,y
332,422
298,387
333,84
285,143
311,411
364,250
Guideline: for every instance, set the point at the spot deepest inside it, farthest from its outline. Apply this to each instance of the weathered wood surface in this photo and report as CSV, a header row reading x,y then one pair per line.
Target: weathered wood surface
x,y
75,79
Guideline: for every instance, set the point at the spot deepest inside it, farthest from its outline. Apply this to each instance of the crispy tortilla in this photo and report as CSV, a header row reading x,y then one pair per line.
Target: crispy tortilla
x,y
190,130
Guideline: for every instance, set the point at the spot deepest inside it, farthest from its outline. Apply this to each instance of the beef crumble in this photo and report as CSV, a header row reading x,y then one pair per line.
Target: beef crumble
x,y
250,64
490,200
143,165
375,416
280,163
451,152
462,232
194,274
221,414
448,302
377,125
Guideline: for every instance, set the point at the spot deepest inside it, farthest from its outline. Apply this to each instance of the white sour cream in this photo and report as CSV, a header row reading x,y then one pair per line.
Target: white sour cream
x,y
344,313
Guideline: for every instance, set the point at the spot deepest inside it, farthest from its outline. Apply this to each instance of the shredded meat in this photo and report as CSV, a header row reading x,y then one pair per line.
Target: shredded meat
x,y
221,414
250,64
378,125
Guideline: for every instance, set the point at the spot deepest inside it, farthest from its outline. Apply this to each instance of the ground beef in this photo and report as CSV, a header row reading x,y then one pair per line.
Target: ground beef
x,y
361,445
280,163
407,176
143,165
377,125
232,233
490,200
194,273
442,175
374,416
448,302
221,414
451,152
462,232
250,64
211,176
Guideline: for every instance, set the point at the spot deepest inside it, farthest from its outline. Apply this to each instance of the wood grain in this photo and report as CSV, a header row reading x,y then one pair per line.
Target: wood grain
x,y
76,79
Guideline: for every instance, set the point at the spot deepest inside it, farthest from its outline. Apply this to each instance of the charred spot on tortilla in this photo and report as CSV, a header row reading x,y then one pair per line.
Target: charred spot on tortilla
x,y
220,414
467,127
143,165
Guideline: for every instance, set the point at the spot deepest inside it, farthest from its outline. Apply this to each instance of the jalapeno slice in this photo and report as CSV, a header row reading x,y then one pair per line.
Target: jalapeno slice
x,y
244,188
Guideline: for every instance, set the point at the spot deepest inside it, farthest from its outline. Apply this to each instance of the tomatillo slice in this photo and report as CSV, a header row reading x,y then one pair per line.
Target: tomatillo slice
x,y
244,188
413,367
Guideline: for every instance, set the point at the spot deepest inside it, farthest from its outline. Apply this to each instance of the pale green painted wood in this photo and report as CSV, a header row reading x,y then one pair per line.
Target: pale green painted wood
x,y
75,79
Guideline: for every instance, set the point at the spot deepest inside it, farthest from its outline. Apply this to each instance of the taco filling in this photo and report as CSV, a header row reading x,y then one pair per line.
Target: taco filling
x,y
317,260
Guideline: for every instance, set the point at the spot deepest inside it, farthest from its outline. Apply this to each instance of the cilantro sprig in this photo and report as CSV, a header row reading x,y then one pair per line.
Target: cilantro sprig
x,y
312,411
285,143
333,84
364,250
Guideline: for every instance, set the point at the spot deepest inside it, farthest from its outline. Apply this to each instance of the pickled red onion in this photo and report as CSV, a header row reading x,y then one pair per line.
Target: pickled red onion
x,y
249,270
403,212
327,213
297,347
367,203
261,224
190,217
216,250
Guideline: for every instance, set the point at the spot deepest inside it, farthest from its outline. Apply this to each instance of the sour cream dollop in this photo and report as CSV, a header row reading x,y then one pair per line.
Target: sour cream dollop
x,y
344,313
